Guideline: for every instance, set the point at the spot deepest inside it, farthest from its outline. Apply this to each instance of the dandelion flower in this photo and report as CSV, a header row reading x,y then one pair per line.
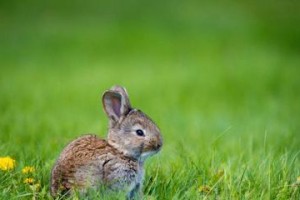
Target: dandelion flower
x,y
29,181
7,163
28,169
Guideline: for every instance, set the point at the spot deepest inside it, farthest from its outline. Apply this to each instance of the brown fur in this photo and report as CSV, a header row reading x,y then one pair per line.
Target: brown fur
x,y
116,163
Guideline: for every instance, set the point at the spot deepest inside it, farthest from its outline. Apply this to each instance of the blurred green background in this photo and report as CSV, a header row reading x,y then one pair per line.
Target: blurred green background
x,y
218,77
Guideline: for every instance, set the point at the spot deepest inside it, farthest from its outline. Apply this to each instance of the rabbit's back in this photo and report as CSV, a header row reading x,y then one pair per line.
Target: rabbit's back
x,y
91,161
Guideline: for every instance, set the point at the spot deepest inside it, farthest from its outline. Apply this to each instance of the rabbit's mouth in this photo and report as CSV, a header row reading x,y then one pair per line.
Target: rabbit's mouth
x,y
147,154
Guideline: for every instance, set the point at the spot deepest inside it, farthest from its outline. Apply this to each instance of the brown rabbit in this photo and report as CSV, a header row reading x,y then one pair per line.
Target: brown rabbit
x,y
115,163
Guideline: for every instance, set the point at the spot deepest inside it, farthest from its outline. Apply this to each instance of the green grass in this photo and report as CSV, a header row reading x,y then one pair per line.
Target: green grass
x,y
220,79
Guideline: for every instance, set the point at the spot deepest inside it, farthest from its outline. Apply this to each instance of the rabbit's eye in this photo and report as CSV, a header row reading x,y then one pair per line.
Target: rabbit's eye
x,y
140,132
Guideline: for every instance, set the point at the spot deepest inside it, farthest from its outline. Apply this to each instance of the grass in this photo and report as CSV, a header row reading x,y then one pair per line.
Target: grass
x,y
220,80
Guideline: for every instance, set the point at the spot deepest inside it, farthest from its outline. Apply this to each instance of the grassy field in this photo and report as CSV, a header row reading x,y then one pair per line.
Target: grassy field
x,y
222,81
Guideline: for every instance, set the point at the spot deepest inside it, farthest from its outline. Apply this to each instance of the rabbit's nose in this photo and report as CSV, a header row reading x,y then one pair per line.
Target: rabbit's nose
x,y
159,145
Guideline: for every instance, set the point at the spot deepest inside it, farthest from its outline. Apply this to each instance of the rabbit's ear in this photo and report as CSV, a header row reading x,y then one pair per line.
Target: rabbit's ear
x,y
116,103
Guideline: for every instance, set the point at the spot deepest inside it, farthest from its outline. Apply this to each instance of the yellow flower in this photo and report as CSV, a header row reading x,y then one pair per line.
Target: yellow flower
x,y
28,169
7,163
29,181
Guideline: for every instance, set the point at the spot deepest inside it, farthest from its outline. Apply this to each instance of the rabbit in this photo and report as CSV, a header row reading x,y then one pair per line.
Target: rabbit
x,y
90,162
